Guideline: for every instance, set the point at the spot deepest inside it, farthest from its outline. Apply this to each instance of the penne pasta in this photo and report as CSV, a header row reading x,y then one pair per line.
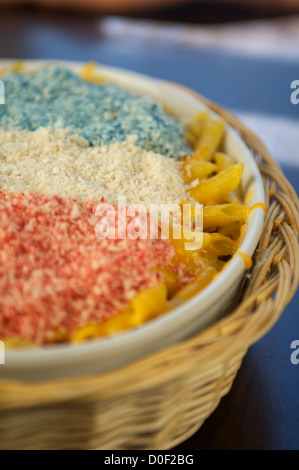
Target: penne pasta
x,y
216,189
201,280
197,124
149,303
223,215
211,136
198,170
223,161
88,73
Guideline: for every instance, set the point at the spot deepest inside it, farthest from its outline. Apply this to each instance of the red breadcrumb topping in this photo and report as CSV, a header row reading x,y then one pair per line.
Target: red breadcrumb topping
x,y
55,274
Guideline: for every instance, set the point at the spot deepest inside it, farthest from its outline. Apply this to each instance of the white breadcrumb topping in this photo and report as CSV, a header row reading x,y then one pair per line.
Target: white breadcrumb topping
x,y
54,162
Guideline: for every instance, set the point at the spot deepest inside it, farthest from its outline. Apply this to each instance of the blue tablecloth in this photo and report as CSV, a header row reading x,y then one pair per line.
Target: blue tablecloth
x,y
248,68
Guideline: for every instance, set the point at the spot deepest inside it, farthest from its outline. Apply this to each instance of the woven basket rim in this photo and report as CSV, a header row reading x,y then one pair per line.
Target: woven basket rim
x,y
264,300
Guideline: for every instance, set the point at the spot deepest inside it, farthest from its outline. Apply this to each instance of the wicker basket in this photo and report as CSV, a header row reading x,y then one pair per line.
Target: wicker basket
x,y
159,401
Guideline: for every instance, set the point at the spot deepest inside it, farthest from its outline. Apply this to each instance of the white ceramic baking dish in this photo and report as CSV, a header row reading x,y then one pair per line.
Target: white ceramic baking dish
x,y
196,314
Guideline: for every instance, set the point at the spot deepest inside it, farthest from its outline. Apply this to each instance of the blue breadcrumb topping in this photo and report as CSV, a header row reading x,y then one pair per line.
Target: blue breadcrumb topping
x,y
100,113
